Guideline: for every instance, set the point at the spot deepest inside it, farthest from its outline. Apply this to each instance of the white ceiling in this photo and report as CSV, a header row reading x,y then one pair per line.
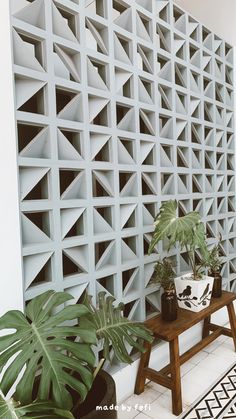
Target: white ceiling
x,y
217,15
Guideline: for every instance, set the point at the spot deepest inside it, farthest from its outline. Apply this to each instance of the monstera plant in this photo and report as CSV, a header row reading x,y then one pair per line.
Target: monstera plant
x,y
113,329
51,350
189,232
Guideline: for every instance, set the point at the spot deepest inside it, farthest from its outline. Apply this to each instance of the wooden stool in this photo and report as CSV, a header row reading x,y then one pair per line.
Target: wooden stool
x,y
170,331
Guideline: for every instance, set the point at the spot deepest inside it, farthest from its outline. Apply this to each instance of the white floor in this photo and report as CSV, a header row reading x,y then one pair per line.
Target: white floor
x,y
197,375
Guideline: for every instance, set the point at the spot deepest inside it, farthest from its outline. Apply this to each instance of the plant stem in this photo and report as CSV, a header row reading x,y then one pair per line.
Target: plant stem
x,y
190,260
194,265
97,369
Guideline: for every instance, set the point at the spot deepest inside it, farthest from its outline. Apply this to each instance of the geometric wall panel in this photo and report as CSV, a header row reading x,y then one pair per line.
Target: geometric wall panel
x,y
120,105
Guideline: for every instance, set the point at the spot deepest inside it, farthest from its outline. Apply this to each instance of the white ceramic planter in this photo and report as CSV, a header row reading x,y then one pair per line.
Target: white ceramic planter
x,y
191,294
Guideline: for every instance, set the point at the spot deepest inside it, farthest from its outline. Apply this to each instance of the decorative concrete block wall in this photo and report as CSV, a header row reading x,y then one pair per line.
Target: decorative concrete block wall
x,y
120,105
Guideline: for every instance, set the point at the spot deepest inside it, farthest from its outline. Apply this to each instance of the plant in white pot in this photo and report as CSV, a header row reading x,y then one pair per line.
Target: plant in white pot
x,y
194,288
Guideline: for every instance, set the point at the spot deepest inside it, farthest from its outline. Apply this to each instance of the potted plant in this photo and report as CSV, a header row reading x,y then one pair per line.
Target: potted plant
x,y
50,359
213,262
164,275
193,289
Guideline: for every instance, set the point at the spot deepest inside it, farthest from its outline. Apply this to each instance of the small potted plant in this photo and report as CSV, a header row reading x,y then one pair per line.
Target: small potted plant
x,y
193,289
164,275
213,262
49,357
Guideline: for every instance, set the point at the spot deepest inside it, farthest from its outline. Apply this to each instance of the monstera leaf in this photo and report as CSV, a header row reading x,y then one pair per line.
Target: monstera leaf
x,y
40,348
10,409
113,329
187,230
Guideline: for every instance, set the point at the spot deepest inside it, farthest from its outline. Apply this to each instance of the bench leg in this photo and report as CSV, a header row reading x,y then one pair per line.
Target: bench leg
x,y
175,377
144,361
206,331
232,321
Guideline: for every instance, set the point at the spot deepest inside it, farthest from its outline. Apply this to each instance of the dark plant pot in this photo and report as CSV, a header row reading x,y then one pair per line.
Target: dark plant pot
x,y
102,394
169,305
217,285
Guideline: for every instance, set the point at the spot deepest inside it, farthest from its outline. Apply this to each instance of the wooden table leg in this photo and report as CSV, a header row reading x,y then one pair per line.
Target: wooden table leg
x,y
206,331
144,361
175,377
232,321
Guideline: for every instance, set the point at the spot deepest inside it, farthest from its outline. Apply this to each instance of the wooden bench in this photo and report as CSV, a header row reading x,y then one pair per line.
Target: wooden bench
x,y
169,376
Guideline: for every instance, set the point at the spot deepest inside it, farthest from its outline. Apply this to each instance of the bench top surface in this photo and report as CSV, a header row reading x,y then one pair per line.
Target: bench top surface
x,y
186,318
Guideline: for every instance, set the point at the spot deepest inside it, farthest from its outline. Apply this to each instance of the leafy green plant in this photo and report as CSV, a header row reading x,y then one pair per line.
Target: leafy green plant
x,y
187,230
39,343
113,329
164,274
55,356
212,259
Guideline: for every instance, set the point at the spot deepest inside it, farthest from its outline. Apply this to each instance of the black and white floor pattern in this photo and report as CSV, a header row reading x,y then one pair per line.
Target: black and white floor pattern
x,y
219,402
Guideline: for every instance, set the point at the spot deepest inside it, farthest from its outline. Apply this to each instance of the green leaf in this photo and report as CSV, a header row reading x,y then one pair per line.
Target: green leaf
x,y
176,229
10,409
13,319
56,300
38,346
163,274
187,230
87,334
113,329
36,305
67,313
212,259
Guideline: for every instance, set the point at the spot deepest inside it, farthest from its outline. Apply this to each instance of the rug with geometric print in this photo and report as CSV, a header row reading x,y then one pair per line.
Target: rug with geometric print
x,y
219,402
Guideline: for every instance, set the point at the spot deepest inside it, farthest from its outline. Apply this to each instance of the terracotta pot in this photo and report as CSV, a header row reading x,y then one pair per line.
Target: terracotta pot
x,y
169,305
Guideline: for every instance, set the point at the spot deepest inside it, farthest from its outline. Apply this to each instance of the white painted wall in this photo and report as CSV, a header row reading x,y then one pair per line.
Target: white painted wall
x,y
11,294
218,15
